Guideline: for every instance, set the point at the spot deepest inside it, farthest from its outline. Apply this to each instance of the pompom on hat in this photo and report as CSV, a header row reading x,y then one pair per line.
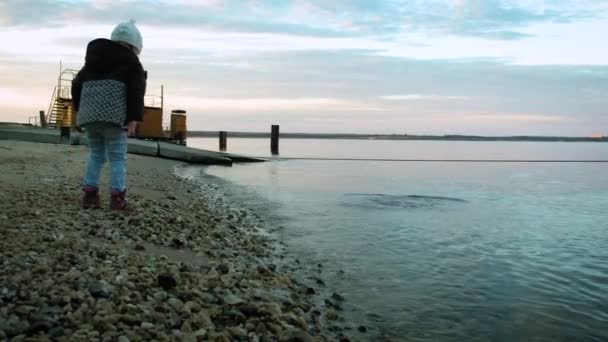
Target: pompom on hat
x,y
128,33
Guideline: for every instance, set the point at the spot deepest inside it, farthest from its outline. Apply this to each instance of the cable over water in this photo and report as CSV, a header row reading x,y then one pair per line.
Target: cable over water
x,y
442,160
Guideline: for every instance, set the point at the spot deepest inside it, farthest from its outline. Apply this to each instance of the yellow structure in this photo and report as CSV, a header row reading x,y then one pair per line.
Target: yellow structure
x,y
152,125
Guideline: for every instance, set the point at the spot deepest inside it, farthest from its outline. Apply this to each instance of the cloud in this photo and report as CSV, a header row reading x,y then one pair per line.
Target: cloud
x,y
425,97
252,105
524,118
488,19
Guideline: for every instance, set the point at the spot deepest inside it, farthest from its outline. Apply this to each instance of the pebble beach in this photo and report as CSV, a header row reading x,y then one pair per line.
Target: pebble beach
x,y
185,264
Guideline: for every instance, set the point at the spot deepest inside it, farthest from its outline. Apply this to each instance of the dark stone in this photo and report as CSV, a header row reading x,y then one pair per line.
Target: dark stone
x,y
263,270
299,336
185,296
177,243
167,281
272,267
140,247
56,332
320,281
310,291
13,327
236,316
251,310
41,325
131,320
223,268
335,328
185,268
100,289
337,296
102,255
362,328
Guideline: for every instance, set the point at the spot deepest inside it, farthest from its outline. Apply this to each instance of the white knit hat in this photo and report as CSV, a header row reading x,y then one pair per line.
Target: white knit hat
x,y
128,33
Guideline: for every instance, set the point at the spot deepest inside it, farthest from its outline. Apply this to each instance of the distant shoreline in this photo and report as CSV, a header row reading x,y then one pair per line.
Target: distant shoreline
x,y
213,134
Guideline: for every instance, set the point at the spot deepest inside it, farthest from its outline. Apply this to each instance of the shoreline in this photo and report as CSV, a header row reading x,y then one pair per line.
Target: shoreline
x,y
183,265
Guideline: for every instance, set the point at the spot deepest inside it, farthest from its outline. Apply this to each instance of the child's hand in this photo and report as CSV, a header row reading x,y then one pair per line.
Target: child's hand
x,y
131,128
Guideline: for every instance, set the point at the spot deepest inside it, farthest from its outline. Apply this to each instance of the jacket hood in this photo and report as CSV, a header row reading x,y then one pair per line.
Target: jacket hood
x,y
104,54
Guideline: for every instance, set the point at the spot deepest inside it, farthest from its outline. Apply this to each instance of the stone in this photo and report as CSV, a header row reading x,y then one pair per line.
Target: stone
x,y
189,338
123,338
185,295
223,268
131,319
231,299
362,328
176,304
186,327
167,281
190,307
337,296
147,325
139,247
310,291
251,310
331,315
100,289
200,333
177,243
237,332
297,336
203,320
14,327
41,325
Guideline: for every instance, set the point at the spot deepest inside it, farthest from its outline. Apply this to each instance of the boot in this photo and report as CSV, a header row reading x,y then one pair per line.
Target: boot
x,y
118,201
90,199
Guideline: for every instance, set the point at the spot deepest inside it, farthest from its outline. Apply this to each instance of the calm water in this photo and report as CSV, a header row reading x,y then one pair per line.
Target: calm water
x,y
448,251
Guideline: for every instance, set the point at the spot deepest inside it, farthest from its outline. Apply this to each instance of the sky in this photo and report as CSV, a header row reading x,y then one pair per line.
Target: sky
x,y
486,67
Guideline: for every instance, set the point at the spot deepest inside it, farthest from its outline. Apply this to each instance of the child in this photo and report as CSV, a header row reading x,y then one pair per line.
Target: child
x,y
108,94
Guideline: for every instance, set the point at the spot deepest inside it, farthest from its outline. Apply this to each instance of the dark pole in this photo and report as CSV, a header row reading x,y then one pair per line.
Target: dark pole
x,y
42,119
274,140
223,140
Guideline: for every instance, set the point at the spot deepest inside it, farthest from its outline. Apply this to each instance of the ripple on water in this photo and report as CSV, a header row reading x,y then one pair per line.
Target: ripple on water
x,y
381,201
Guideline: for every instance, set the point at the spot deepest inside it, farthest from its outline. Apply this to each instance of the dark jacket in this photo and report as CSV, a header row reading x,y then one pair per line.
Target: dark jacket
x,y
111,85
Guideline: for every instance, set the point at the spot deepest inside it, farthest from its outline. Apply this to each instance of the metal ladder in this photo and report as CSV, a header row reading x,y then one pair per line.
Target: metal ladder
x,y
62,97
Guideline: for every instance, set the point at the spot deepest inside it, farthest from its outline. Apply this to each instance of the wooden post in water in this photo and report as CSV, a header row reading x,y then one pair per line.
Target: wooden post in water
x,y
274,140
42,119
223,140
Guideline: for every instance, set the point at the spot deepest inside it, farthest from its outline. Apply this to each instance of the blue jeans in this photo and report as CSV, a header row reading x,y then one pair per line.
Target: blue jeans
x,y
110,140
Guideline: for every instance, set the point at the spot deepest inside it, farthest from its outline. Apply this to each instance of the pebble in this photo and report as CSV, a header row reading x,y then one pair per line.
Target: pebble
x,y
80,278
123,338
147,325
14,327
337,297
176,304
100,289
232,300
167,281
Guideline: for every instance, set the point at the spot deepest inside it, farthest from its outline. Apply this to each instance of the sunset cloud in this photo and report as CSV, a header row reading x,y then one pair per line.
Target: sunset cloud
x,y
433,66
